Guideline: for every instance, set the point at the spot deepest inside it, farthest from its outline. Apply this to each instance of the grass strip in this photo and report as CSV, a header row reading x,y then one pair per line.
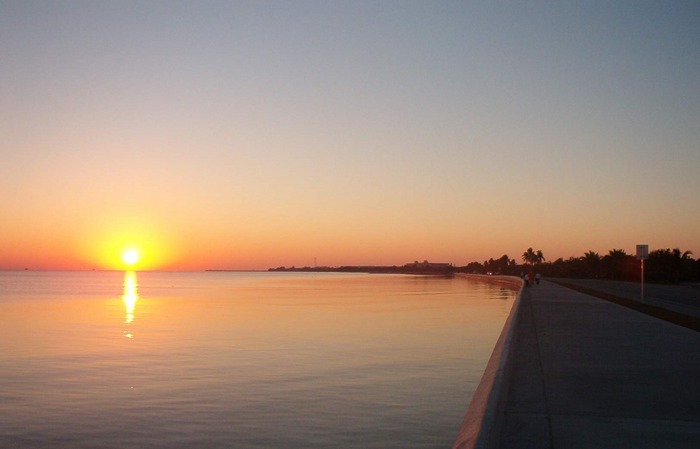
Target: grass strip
x,y
679,319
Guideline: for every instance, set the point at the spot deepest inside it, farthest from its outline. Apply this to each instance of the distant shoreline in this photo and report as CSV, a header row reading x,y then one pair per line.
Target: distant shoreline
x,y
423,269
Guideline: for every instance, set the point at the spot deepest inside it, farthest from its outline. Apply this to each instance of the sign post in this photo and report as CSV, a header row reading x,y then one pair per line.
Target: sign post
x,y
642,255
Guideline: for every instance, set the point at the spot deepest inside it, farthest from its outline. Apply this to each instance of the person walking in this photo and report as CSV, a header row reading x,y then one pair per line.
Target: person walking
x,y
537,278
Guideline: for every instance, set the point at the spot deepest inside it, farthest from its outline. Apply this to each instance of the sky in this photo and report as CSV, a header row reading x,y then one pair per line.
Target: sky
x,y
249,135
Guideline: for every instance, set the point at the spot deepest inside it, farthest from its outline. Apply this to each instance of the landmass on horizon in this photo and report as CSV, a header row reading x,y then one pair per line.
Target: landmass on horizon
x,y
671,266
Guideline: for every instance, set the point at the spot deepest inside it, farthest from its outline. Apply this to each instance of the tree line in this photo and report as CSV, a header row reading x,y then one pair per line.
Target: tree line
x,y
670,266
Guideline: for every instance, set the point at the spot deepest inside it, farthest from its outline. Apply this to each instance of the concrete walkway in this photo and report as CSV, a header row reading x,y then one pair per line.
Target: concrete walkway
x,y
587,373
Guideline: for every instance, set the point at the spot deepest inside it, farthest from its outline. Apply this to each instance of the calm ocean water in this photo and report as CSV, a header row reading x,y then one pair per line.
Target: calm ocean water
x,y
240,360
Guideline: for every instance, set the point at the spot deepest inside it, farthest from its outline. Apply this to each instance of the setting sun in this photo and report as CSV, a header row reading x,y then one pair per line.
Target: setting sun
x,y
134,245
130,256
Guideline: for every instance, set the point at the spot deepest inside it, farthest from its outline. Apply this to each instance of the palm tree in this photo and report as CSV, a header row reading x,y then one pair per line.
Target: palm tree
x,y
539,257
533,257
615,262
591,264
529,256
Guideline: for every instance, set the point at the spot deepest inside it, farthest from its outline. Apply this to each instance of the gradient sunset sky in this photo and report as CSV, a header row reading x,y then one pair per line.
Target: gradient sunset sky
x,y
248,135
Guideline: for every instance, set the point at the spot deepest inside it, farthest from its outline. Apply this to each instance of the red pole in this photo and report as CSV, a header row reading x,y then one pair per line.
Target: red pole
x,y
642,281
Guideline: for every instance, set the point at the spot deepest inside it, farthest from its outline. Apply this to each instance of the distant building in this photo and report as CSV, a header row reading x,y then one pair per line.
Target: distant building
x,y
430,266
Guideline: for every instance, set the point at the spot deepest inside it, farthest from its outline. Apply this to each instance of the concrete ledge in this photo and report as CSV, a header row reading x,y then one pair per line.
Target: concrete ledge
x,y
480,427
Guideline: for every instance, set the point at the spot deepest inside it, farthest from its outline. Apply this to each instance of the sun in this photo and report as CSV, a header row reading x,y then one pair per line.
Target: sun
x,y
130,257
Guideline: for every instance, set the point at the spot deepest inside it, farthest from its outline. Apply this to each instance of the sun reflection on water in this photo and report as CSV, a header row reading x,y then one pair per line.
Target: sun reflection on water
x,y
130,298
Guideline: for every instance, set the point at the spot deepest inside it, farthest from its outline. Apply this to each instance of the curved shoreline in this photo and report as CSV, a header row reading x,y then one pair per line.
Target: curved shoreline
x,y
481,422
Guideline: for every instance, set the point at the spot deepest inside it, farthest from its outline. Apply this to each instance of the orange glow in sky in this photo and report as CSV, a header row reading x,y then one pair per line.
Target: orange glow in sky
x,y
348,133
141,253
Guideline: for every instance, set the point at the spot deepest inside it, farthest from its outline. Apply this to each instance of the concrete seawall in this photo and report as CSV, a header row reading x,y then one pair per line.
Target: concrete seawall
x,y
574,371
481,424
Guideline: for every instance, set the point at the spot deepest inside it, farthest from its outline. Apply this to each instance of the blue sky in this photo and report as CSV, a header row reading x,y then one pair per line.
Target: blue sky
x,y
255,134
